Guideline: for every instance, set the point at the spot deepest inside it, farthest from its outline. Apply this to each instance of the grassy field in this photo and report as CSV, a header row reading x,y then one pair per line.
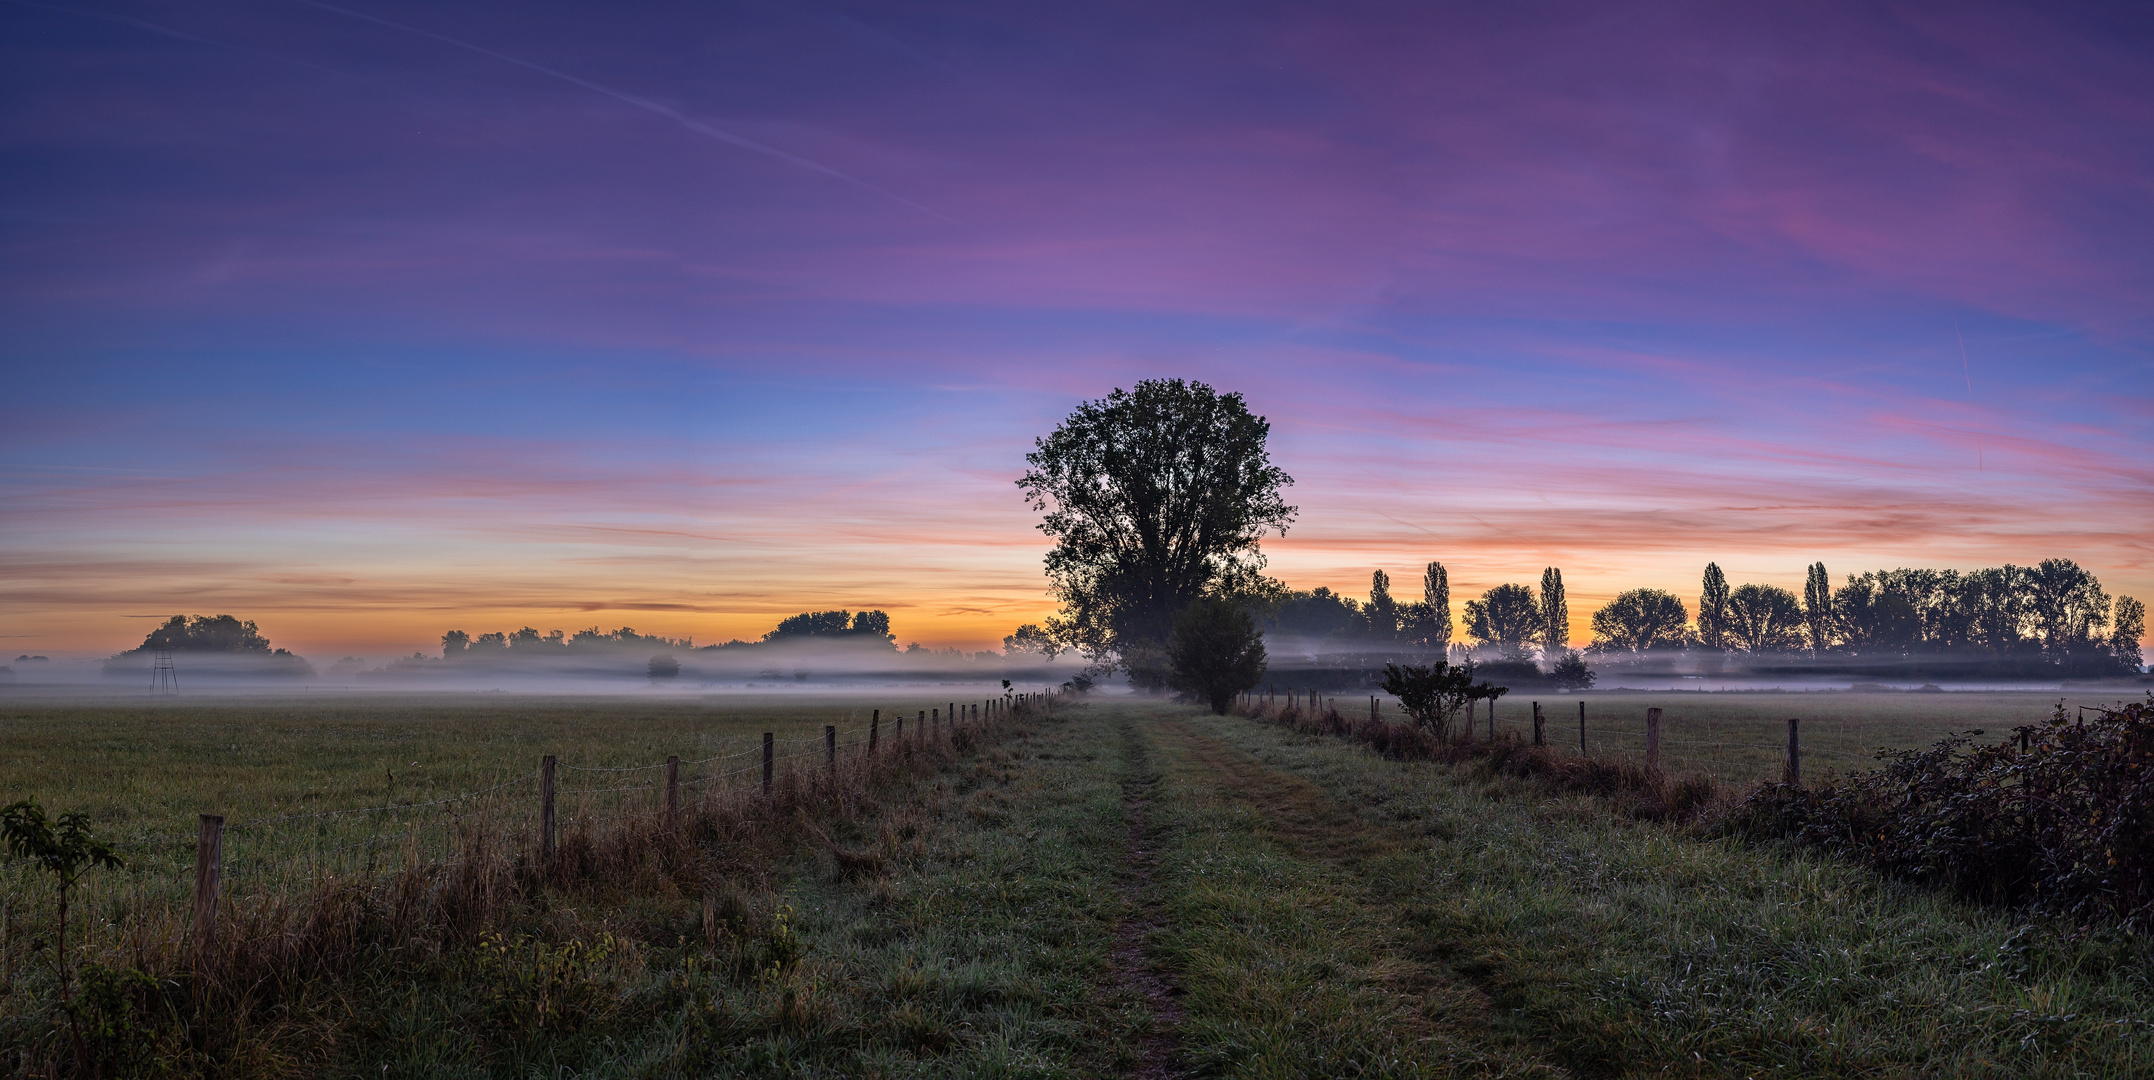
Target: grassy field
x,y
1132,889
1742,737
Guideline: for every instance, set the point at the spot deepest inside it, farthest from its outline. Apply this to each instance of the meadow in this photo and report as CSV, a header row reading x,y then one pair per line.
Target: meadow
x,y
1741,737
1123,888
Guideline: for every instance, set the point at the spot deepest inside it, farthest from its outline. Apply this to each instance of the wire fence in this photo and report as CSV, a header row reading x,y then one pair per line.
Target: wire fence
x,y
1739,751
282,850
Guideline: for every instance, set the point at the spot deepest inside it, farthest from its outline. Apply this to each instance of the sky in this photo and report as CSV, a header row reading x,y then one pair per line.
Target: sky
x,y
367,320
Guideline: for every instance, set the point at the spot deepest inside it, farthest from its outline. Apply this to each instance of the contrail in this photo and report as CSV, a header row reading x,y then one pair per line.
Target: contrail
x,y
689,122
1965,374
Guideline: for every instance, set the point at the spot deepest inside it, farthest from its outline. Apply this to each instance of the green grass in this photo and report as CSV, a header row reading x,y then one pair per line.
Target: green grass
x,y
1742,737
1319,910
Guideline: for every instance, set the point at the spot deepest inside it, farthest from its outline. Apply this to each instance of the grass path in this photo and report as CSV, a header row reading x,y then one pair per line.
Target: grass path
x,y
1562,939
1146,890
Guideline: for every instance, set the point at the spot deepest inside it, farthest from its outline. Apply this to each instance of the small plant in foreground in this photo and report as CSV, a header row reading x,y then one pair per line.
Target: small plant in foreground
x,y
63,848
1433,694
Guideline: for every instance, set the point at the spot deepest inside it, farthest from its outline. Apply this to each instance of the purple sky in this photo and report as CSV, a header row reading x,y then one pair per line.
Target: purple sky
x,y
369,321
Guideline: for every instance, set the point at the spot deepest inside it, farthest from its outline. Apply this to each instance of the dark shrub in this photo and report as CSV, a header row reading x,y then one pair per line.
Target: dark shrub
x,y
2059,818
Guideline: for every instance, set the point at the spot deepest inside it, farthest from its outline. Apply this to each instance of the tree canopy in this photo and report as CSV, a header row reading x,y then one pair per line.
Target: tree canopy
x,y
1154,497
1764,618
1506,618
1639,620
874,625
207,633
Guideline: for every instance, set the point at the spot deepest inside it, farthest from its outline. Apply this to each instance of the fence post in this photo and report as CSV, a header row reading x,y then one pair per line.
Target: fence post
x,y
1540,725
1652,740
1581,729
1471,703
875,724
830,747
1794,754
208,872
673,791
769,759
920,728
546,807
901,730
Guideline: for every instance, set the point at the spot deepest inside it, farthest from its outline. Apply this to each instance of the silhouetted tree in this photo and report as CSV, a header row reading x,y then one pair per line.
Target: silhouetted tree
x,y
873,625
1764,618
1215,652
1817,608
1555,615
1505,618
2130,626
1713,609
1383,611
663,667
1995,601
1638,620
1154,498
1436,599
454,643
207,633
1571,672
1030,638
1873,619
2068,606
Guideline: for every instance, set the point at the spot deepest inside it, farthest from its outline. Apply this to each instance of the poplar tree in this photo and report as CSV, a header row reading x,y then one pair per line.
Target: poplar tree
x,y
1436,596
1383,610
1713,609
1555,615
1817,608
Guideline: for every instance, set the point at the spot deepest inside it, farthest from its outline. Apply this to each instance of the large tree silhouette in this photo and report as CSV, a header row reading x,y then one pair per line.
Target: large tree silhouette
x,y
1154,497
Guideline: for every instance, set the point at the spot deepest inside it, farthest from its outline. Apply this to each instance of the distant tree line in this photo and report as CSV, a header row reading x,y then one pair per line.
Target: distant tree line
x,y
865,627
2052,618
209,635
2043,621
1155,501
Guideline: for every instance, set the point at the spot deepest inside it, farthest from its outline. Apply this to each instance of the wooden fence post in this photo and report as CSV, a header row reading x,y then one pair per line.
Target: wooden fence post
x,y
673,791
769,759
1652,740
208,873
1794,754
875,724
901,730
1581,729
830,747
546,807
1540,726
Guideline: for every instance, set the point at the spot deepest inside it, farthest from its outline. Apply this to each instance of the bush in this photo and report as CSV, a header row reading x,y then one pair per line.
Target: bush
x,y
1215,653
2059,818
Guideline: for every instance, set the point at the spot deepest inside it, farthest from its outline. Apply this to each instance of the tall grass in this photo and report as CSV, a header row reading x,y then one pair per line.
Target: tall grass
x,y
274,996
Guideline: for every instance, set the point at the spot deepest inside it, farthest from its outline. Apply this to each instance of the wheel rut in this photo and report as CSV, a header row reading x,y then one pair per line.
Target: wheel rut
x,y
1132,970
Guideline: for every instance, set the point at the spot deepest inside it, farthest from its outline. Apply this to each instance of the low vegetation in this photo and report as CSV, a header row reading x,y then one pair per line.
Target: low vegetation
x,y
2058,818
1106,891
